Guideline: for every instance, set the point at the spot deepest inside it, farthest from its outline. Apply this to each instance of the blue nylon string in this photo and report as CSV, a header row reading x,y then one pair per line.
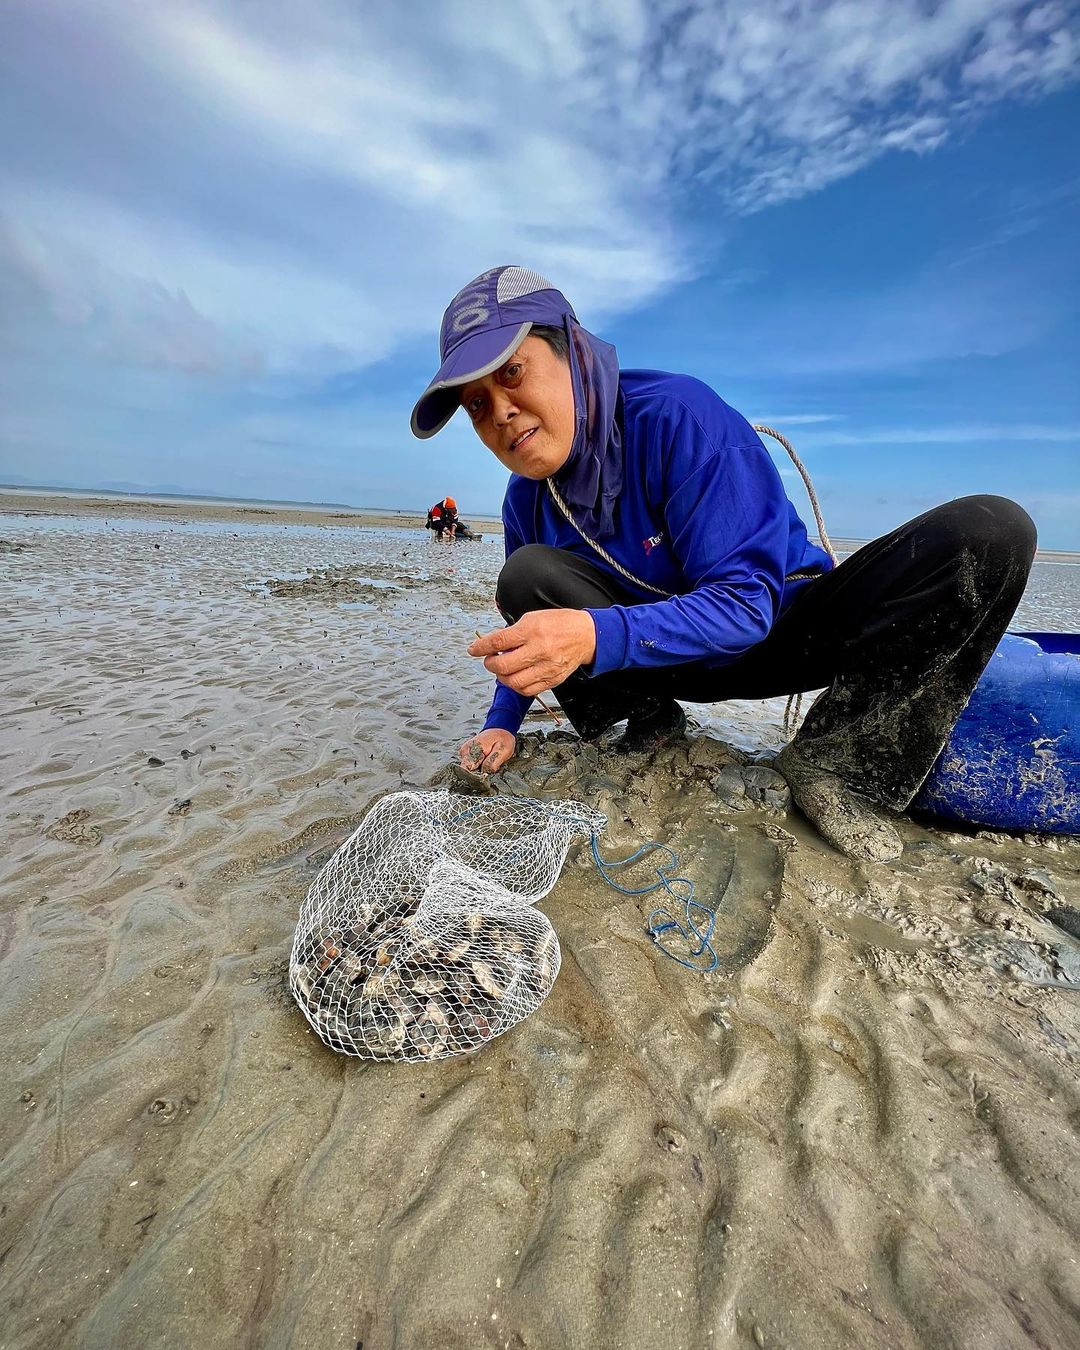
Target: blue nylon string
x,y
661,920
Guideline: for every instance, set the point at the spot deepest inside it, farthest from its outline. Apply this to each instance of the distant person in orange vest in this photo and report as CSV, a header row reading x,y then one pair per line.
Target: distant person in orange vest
x,y
443,519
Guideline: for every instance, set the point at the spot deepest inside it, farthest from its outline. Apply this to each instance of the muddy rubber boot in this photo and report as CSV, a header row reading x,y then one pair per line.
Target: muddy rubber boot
x,y
852,823
653,723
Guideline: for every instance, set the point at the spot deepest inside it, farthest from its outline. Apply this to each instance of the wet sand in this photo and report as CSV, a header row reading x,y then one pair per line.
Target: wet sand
x,y
860,1130
270,513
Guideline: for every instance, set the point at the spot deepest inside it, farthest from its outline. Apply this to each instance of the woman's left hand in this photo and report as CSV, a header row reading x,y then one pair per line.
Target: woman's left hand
x,y
540,650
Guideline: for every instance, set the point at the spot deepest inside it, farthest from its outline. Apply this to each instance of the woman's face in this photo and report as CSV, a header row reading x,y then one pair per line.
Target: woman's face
x,y
524,411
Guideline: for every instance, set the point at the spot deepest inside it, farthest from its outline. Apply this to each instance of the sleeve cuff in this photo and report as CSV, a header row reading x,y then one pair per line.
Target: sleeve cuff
x,y
610,625
504,719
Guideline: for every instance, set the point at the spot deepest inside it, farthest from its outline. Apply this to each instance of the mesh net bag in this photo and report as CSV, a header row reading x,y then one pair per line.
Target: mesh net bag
x,y
419,938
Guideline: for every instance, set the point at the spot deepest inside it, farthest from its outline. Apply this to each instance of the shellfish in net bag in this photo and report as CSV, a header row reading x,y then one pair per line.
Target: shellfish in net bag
x,y
420,939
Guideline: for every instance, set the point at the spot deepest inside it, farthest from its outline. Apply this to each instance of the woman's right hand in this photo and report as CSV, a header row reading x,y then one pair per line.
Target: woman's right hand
x,y
487,751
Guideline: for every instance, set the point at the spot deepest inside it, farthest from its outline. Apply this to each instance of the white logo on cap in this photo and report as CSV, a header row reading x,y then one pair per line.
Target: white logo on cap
x,y
473,307
470,315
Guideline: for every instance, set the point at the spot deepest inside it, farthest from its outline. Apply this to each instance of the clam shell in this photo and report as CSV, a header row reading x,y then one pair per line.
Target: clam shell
x,y
375,1049
406,1010
332,1029
302,983
393,1037
382,982
489,978
500,941
510,942
472,1029
545,956
426,949
428,984
329,950
364,916
545,946
428,1038
355,968
462,989
382,1036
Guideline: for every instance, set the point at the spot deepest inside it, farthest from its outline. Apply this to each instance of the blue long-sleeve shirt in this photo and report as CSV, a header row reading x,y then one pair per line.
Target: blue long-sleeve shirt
x,y
702,514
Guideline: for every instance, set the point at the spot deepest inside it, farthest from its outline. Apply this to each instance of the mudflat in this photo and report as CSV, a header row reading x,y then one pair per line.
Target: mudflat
x,y
859,1129
149,508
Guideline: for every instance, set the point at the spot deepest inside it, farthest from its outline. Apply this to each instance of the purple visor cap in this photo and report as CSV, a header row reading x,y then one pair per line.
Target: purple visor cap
x,y
482,326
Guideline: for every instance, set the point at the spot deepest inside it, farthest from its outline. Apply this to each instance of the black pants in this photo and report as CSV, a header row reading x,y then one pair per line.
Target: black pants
x,y
897,635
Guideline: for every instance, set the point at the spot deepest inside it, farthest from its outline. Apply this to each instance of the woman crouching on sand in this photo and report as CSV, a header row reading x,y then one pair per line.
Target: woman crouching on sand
x,y
653,555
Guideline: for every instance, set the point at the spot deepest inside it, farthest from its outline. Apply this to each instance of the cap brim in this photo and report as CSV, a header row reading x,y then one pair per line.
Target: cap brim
x,y
471,360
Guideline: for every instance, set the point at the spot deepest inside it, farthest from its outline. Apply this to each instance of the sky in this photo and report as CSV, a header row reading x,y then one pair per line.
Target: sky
x,y
228,229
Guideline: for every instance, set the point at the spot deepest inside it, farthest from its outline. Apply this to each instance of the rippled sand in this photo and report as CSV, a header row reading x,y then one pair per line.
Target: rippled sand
x,y
861,1130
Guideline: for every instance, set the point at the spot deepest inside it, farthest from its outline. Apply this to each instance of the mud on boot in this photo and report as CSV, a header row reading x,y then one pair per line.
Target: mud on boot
x,y
850,822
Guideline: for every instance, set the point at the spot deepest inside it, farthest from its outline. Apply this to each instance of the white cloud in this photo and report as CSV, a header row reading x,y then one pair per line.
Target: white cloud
x,y
779,101
338,170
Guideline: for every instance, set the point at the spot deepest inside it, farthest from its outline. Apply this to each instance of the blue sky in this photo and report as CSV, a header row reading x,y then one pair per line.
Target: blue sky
x,y
228,231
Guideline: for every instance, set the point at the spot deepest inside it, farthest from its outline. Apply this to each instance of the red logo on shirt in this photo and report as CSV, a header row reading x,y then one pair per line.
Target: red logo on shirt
x,y
649,544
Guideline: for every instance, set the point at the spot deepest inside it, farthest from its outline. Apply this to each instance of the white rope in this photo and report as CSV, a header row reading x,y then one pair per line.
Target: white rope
x,y
768,431
622,571
793,707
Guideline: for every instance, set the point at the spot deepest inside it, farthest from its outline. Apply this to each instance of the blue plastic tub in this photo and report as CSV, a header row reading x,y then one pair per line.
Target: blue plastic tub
x,y
1013,759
